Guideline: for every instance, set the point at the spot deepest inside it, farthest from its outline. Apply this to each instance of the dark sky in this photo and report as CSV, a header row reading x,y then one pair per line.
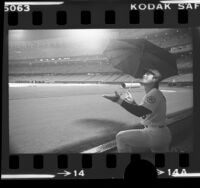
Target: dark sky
x,y
30,35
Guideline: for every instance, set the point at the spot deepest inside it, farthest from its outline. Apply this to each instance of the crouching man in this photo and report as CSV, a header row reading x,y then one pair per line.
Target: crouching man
x,y
155,136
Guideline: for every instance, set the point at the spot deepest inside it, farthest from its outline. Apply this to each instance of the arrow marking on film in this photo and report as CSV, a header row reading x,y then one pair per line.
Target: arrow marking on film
x,y
65,173
160,172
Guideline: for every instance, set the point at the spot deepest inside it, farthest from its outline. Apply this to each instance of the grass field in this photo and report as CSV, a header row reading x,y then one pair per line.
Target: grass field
x,y
69,118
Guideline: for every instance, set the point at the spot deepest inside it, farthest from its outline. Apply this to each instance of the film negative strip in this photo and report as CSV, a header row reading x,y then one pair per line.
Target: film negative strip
x,y
80,89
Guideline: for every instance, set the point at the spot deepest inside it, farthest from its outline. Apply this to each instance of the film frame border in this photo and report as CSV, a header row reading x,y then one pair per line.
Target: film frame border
x,y
75,11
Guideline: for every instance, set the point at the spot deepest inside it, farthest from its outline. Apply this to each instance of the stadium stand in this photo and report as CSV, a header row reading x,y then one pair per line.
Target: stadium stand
x,y
89,68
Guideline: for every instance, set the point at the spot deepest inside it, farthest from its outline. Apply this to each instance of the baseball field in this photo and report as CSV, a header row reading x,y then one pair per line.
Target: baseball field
x,y
57,118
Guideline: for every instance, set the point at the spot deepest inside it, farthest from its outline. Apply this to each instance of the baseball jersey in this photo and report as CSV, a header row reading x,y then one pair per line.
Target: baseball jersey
x,y
155,101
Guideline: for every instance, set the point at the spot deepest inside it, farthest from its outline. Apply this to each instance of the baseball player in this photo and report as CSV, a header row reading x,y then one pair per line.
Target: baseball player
x,y
152,110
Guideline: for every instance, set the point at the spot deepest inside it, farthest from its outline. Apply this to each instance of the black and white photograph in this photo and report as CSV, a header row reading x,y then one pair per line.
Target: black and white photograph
x,y
100,91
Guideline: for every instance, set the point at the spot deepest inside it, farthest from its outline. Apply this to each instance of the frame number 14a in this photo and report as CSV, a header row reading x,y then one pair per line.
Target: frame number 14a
x,y
176,172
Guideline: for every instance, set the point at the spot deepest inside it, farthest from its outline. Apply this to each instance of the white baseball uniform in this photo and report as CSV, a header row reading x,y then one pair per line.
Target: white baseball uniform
x,y
155,136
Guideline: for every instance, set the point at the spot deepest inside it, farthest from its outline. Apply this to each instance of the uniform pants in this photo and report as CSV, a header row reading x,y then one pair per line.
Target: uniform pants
x,y
143,140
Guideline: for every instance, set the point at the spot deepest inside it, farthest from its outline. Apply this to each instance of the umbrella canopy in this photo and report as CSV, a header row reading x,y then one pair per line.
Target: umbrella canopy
x,y
135,57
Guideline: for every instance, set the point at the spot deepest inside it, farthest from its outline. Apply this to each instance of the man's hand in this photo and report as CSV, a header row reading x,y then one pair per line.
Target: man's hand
x,y
127,96
114,98
119,98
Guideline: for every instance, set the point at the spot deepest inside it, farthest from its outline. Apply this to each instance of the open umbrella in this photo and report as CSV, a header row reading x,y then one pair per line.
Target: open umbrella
x,y
135,57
